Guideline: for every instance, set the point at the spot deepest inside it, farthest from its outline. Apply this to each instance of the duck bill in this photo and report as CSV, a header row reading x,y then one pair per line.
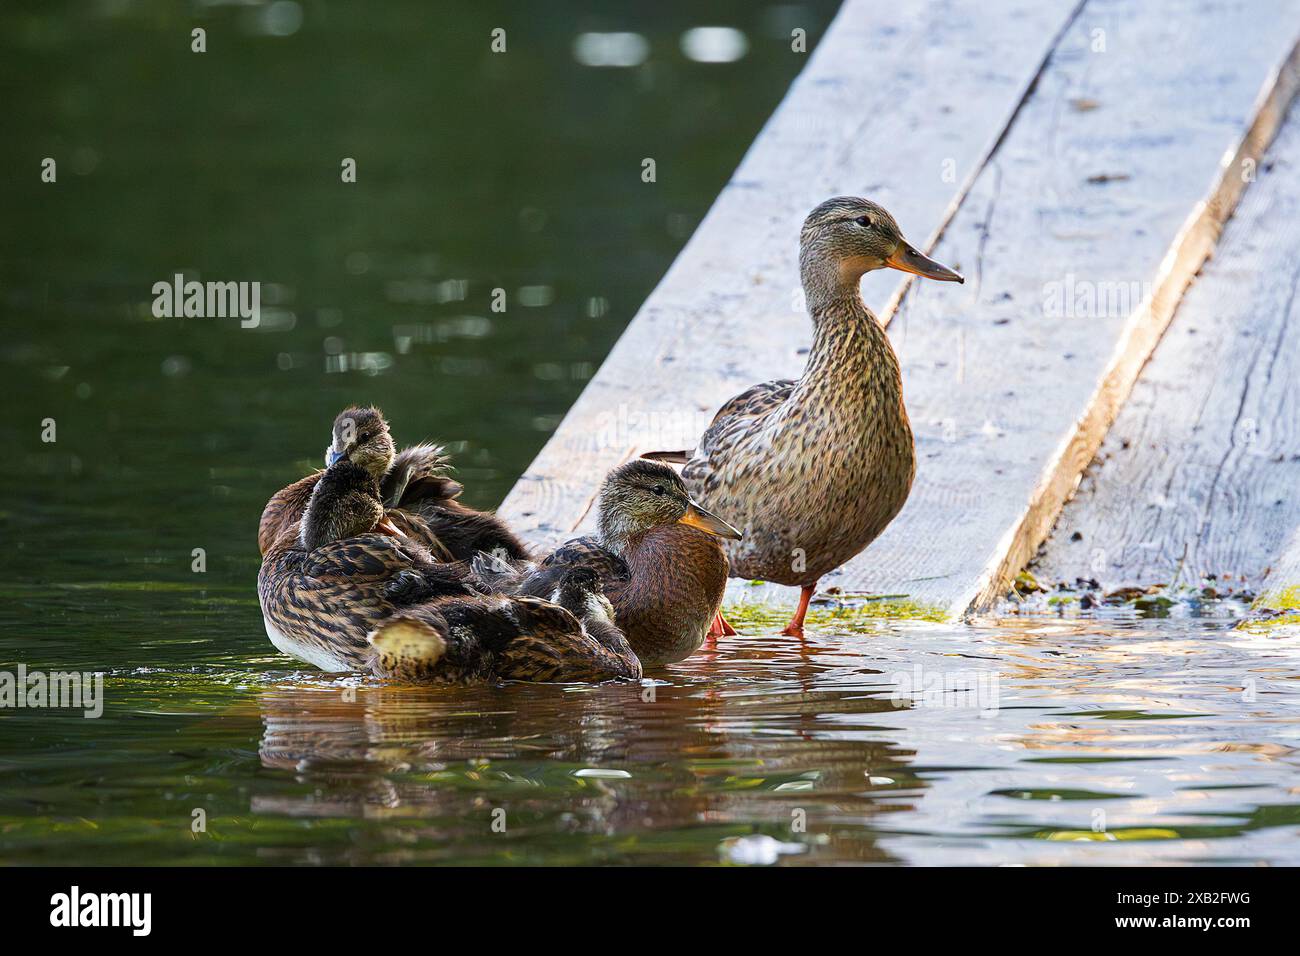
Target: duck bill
x,y
331,457
907,258
708,522
386,526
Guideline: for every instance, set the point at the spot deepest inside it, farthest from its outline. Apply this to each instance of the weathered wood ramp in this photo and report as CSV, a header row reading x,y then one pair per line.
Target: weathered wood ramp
x,y
1198,476
1054,152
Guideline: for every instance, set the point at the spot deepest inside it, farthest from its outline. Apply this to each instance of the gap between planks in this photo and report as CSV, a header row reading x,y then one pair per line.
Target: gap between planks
x,y
1194,244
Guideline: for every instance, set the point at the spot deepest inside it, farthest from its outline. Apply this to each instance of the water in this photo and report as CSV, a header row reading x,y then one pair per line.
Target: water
x,y
1123,742
1116,740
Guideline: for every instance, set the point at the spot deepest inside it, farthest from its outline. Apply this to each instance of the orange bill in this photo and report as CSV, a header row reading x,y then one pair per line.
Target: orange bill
x,y
907,258
708,522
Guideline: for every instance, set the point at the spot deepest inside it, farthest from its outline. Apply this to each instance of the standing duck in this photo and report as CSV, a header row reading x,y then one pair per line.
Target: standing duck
x,y
813,470
657,554
413,482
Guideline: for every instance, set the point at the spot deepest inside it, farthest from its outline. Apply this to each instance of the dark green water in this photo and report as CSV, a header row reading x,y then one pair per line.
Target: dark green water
x,y
476,171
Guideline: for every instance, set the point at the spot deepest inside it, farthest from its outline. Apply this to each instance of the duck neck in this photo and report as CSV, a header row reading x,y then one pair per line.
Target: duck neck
x,y
618,534
849,344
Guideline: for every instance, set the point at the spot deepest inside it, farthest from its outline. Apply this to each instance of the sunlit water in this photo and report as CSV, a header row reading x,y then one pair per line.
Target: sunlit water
x,y
1119,741
1123,742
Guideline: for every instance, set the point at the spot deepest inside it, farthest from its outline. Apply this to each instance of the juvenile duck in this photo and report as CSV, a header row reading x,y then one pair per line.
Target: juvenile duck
x,y
501,638
413,482
329,579
813,470
658,557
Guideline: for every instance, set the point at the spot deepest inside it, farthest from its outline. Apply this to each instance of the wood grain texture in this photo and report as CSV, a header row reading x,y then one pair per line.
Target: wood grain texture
x,y
1118,168
1198,475
1114,180
1281,590
899,102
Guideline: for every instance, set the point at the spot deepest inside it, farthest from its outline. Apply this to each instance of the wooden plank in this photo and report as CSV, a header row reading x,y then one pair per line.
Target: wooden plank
x,y
1197,476
1281,590
1120,169
901,102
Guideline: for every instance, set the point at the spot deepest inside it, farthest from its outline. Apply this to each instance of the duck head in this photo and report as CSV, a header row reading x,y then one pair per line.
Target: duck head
x,y
641,495
846,237
361,436
344,504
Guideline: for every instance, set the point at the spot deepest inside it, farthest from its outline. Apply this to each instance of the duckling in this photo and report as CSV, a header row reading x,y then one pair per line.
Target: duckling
x,y
415,481
413,484
329,580
813,470
657,554
498,638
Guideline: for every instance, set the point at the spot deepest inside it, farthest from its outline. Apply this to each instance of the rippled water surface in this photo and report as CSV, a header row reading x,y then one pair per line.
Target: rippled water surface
x,y
1080,742
1122,740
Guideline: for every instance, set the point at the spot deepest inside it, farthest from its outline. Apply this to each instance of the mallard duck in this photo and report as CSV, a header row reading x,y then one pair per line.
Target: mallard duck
x,y
330,578
657,554
412,482
349,591
571,638
813,470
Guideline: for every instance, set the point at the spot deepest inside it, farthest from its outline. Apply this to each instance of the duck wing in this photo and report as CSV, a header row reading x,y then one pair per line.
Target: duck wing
x,y
417,484
282,512
585,552
737,417
418,473
404,573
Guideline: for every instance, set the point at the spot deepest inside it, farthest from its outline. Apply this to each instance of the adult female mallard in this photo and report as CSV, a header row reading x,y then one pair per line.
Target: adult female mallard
x,y
412,482
658,557
813,470
349,591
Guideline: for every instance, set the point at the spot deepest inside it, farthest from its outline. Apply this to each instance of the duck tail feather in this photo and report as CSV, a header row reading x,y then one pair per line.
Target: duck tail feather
x,y
419,471
495,573
406,647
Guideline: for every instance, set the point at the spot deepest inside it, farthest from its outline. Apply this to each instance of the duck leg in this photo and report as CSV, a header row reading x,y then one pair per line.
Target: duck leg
x,y
720,627
795,627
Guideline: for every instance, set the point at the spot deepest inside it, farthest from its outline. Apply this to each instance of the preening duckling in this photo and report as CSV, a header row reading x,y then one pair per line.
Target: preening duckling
x,y
414,486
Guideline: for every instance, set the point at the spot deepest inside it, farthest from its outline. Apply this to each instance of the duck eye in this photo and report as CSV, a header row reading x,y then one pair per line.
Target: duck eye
x,y
864,222
659,489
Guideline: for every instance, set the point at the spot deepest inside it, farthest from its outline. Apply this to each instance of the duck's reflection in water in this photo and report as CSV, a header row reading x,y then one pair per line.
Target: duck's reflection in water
x,y
732,747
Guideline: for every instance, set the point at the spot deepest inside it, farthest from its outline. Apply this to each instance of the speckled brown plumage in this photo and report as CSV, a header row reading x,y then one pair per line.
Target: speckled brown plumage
x,y
665,579
502,638
813,470
412,482
283,511
319,605
675,588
